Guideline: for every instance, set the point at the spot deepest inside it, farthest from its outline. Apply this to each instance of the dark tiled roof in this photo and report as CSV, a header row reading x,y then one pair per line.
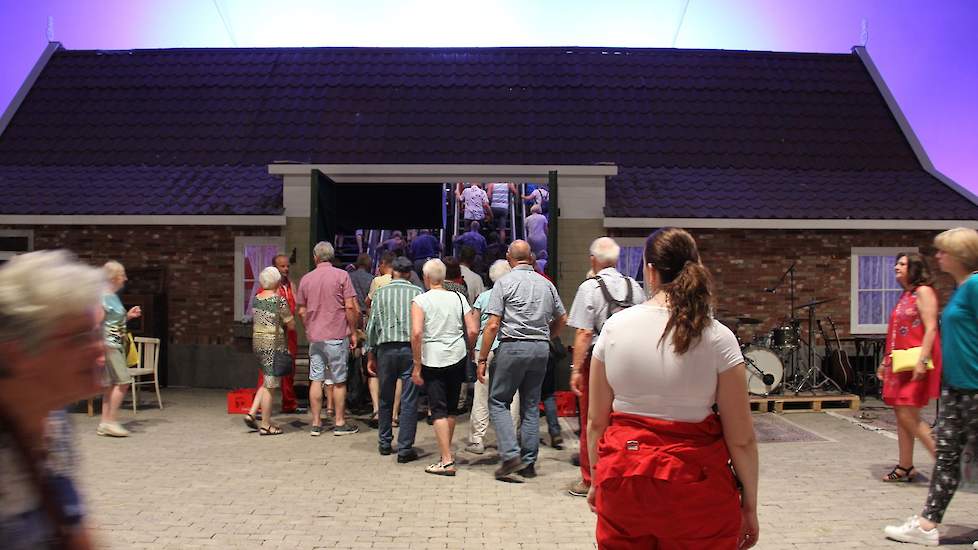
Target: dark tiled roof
x,y
636,108
767,193
633,107
149,190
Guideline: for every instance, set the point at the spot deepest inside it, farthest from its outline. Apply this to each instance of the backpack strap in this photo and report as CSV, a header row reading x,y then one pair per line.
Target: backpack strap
x,y
604,290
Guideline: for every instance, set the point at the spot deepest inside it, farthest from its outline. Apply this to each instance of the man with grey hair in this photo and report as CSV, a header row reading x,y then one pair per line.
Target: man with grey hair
x,y
328,308
525,310
597,299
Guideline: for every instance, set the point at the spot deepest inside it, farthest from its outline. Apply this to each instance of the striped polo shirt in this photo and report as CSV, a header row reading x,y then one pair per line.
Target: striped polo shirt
x,y
390,314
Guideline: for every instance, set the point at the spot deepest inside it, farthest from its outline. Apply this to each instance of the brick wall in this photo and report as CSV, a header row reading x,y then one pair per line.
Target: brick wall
x,y
745,261
199,262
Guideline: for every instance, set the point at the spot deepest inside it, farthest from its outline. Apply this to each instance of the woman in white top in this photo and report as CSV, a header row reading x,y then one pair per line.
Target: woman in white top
x,y
659,453
442,333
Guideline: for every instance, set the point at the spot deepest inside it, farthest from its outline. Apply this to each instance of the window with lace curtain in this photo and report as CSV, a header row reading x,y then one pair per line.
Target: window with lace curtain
x,y
251,255
630,261
874,290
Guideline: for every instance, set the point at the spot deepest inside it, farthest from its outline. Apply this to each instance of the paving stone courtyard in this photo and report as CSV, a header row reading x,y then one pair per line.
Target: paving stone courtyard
x,y
192,476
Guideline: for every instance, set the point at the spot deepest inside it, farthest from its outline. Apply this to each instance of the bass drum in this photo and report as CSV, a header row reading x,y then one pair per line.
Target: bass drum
x,y
761,362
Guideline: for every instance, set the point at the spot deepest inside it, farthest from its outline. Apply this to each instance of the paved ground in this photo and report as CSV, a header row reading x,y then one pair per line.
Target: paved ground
x,y
192,477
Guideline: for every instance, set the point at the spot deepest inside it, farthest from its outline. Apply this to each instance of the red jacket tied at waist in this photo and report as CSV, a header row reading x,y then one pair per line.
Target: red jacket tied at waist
x,y
665,484
661,449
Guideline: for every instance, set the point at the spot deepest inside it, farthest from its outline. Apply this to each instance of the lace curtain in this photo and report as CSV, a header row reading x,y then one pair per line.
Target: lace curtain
x,y
257,258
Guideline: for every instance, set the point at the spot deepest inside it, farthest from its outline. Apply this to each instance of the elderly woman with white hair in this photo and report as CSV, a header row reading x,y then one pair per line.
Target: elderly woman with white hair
x,y
272,319
51,351
536,230
442,332
480,401
116,369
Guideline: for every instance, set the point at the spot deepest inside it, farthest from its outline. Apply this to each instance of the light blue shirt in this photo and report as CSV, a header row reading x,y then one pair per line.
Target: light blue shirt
x,y
526,303
959,337
480,303
114,325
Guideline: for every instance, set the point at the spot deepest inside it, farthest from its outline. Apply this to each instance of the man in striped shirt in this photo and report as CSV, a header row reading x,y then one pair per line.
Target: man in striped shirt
x,y
389,357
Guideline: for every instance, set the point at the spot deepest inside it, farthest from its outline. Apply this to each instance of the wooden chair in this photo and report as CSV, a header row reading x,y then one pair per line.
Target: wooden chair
x,y
148,350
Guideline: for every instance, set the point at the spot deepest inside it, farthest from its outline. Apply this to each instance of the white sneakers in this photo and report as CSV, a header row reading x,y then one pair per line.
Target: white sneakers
x,y
975,545
111,429
912,532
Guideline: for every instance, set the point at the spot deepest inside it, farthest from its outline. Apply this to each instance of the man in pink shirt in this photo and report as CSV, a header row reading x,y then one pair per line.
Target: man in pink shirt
x,y
328,309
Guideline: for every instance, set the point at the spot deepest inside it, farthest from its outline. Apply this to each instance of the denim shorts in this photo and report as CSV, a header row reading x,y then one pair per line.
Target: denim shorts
x,y
328,361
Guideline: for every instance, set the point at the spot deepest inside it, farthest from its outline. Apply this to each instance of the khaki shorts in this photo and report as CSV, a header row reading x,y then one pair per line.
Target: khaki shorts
x,y
116,370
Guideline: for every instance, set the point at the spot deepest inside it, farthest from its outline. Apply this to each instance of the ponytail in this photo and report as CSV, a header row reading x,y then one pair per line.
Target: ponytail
x,y
690,297
686,283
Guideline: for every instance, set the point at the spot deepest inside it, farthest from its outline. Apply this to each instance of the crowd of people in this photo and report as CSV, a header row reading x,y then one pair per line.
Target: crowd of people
x,y
668,452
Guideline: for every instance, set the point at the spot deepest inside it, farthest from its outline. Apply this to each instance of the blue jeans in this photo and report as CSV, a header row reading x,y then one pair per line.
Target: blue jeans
x,y
519,366
395,361
550,409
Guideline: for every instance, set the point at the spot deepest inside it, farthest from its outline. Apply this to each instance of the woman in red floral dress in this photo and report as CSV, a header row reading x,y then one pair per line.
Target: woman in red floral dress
x,y
913,323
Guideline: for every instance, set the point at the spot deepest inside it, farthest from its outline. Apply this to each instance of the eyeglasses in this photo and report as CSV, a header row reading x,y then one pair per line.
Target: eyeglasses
x,y
80,338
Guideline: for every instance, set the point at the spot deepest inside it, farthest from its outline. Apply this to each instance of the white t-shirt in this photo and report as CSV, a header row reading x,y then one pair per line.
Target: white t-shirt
x,y
649,379
443,341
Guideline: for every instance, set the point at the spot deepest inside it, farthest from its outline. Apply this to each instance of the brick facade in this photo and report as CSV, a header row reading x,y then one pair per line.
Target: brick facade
x,y
199,263
745,261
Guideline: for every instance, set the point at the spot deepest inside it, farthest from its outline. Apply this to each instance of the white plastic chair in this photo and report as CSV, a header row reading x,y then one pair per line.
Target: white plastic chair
x,y
148,351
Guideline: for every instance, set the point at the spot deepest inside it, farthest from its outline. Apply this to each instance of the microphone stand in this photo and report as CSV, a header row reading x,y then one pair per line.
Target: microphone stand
x,y
788,274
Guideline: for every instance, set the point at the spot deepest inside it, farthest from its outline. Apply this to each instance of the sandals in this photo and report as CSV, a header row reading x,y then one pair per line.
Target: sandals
x,y
895,475
271,430
395,423
441,468
250,421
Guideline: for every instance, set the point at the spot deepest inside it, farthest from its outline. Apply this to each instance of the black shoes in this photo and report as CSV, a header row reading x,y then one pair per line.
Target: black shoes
x,y
556,441
529,472
576,460
384,451
409,456
510,466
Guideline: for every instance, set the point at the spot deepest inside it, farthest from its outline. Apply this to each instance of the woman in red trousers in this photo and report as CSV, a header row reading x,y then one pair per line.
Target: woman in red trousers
x,y
660,456
913,326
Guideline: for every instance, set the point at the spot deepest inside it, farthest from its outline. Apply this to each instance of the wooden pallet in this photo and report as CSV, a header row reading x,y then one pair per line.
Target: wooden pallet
x,y
803,403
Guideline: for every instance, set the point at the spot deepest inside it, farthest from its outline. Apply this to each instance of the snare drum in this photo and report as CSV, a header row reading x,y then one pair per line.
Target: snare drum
x,y
761,362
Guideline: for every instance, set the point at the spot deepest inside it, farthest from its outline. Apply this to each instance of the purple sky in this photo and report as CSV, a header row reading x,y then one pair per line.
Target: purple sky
x,y
927,51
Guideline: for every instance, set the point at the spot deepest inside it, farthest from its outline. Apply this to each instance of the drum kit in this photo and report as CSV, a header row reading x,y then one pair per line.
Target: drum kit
x,y
782,359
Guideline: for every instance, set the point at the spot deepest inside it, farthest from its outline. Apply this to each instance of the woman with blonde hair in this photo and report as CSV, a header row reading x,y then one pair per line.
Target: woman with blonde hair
x,y
957,255
659,454
272,320
116,369
912,329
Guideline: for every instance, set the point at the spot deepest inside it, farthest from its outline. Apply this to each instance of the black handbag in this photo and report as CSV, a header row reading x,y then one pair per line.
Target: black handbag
x,y
281,364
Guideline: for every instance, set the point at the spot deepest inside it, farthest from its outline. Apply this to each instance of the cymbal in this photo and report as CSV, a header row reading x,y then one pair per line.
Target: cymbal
x,y
737,321
814,303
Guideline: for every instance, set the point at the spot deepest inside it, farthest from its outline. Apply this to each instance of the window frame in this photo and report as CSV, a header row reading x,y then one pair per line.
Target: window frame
x,y
857,252
240,242
29,233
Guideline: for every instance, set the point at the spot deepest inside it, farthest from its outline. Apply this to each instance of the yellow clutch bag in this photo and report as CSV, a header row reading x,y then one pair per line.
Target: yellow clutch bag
x,y
906,359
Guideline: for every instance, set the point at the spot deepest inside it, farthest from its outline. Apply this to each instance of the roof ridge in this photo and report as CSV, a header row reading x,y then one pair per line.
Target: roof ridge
x,y
473,49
